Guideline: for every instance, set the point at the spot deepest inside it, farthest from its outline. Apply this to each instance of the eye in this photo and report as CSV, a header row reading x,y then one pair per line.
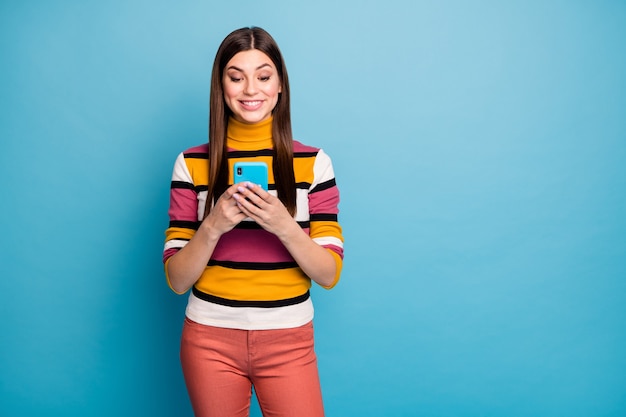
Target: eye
x,y
264,78
235,79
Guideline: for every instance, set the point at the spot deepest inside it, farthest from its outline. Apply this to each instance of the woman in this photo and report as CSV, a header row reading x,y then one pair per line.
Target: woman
x,y
249,255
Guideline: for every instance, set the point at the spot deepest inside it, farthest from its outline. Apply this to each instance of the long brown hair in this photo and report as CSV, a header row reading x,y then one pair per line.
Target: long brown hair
x,y
245,39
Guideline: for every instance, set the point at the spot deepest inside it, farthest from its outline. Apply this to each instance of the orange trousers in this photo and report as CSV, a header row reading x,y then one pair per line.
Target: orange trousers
x,y
222,365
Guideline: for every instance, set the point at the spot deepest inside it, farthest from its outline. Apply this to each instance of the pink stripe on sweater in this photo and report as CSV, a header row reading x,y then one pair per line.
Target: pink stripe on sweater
x,y
183,205
257,245
324,201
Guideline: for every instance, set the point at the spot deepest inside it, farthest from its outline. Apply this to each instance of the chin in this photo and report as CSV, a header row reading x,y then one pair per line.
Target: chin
x,y
252,119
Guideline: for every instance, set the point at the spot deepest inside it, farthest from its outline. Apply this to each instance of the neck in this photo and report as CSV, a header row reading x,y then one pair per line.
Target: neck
x,y
243,136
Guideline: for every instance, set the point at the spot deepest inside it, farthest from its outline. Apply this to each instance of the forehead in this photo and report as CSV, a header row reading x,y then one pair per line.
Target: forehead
x,y
250,60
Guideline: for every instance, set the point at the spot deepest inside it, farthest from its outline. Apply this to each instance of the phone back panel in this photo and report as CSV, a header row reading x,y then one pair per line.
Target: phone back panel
x,y
255,172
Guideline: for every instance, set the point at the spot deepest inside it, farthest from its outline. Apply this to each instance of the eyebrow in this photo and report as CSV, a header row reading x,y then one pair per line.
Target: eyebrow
x,y
256,69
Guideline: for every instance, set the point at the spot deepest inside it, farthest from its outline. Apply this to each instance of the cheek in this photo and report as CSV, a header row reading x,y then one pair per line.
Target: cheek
x,y
230,97
229,92
231,89
273,90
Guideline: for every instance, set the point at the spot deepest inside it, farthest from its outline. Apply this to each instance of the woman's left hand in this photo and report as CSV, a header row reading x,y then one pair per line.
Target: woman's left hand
x,y
265,209
270,213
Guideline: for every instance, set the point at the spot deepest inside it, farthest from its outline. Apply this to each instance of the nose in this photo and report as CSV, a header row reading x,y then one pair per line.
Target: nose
x,y
250,88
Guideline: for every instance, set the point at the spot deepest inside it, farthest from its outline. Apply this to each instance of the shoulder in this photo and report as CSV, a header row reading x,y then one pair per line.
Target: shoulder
x,y
199,151
191,164
302,151
301,148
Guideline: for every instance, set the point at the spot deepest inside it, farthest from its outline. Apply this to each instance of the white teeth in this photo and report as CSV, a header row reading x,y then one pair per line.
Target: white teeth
x,y
251,103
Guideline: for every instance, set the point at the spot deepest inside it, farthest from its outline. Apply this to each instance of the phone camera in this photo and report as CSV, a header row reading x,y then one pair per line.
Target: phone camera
x,y
238,170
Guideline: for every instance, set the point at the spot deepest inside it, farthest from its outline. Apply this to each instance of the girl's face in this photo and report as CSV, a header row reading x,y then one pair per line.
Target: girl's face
x,y
251,86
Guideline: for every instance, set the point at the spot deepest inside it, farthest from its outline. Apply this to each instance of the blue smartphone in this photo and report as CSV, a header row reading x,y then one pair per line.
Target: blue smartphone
x,y
255,172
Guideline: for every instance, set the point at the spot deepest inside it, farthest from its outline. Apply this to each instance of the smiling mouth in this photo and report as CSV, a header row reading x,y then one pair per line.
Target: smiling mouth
x,y
251,103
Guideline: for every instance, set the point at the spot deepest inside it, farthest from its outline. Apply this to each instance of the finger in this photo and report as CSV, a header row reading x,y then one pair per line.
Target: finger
x,y
249,208
251,196
242,202
228,193
258,190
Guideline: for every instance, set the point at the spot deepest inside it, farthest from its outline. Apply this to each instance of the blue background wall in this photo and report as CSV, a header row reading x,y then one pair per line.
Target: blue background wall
x,y
480,148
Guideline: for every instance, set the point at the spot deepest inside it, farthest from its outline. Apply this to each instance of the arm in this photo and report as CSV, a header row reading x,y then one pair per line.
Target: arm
x,y
186,266
317,262
189,243
320,252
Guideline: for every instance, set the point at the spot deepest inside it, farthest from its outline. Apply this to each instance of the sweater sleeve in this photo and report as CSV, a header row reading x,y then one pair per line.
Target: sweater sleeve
x,y
183,211
324,210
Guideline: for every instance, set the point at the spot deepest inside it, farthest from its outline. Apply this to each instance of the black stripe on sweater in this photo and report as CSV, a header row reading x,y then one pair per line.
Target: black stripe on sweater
x,y
254,266
182,185
323,217
324,186
185,224
261,304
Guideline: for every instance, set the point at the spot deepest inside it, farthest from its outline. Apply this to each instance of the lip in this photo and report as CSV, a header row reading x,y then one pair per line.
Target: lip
x,y
251,105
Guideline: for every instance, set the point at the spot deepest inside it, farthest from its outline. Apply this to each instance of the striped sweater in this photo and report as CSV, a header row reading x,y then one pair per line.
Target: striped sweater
x,y
251,280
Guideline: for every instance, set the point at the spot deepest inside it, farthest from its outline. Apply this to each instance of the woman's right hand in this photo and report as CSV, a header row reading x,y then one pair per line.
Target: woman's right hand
x,y
224,215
